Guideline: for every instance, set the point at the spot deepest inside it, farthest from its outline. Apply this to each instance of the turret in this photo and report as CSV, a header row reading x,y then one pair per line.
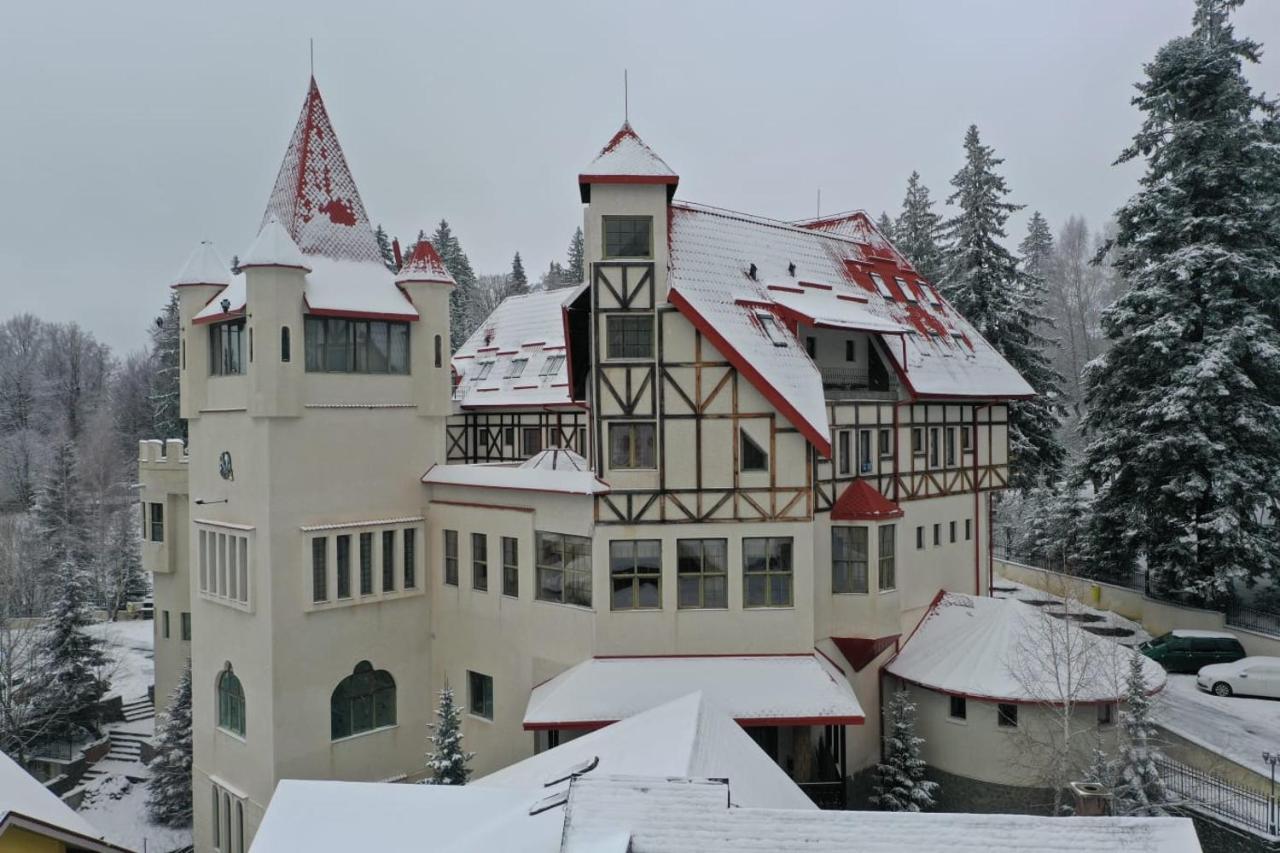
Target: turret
x,y
275,281
427,283
203,277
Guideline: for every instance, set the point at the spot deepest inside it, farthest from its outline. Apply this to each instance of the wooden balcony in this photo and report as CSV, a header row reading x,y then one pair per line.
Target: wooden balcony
x,y
851,383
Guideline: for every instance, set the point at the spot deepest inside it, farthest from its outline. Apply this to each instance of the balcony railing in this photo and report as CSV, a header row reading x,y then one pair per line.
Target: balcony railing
x,y
851,383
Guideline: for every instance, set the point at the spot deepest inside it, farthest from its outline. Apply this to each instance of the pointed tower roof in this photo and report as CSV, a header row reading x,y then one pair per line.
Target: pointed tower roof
x,y
274,248
203,267
626,160
424,264
315,197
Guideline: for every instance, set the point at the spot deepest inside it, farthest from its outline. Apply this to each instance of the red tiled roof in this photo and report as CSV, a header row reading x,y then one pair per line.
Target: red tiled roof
x,y
861,502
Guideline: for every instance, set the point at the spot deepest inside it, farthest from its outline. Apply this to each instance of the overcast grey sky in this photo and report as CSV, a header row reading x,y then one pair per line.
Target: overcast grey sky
x,y
129,131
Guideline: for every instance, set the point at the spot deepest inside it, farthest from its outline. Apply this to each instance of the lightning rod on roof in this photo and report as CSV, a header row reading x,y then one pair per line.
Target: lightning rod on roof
x,y
626,107
312,43
817,211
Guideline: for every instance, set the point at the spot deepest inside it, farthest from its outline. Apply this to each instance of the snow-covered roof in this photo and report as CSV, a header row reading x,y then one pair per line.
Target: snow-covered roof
x,y
1211,635
273,247
315,196
424,265
754,690
22,795
822,274
517,356
556,459
504,475
521,807
203,267
625,155
631,815
1003,650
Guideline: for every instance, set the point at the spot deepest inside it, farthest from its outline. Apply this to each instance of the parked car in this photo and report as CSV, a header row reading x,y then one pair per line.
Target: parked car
x,y
1252,676
1186,651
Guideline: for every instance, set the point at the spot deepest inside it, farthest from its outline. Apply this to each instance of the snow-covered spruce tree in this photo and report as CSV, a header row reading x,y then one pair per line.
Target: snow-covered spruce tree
x,y
1036,248
1139,790
456,262
518,282
984,282
76,657
900,784
885,224
124,563
577,254
447,760
384,249
165,354
916,231
1184,409
60,513
169,788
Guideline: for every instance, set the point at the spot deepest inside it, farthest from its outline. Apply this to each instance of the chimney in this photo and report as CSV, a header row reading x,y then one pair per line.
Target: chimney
x,y
1092,799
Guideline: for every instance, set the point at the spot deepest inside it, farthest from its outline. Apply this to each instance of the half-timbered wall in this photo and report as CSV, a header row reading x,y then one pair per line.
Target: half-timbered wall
x,y
515,434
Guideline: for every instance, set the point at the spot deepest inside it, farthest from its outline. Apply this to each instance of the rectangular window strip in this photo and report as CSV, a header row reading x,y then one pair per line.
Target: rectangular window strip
x,y
408,537
510,567
888,546
224,565
767,571
849,559
343,543
451,557
379,554
388,560
366,564
564,568
635,572
480,562
702,573
339,345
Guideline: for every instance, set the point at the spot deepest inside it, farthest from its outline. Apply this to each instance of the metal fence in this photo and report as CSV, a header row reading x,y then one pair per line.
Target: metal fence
x,y
1203,791
1253,619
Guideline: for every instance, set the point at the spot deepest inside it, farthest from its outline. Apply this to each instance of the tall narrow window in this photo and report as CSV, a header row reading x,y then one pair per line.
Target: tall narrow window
x,y
157,522
480,561
966,440
933,447
951,447
953,530
888,548
628,236
885,443
319,568
811,346
510,566
846,452
184,620
366,564
754,457
344,565
850,350
285,353
451,557
230,702
226,348
410,558
917,441
166,625
388,560
968,529
702,573
864,451
439,351
217,799
766,568
849,559
635,571
480,694
937,535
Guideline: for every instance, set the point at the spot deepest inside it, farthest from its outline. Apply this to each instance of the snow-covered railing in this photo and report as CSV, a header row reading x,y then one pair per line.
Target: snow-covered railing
x,y
1203,791
840,383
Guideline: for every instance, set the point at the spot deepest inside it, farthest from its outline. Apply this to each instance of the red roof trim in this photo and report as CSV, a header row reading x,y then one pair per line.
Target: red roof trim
x,y
785,289
524,387
218,318
361,315
671,180
849,297
820,442
816,286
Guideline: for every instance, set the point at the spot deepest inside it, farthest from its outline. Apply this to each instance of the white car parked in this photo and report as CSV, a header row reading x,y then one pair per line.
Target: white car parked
x,y
1252,676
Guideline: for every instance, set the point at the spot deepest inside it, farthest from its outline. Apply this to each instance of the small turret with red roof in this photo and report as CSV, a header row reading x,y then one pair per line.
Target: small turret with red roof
x,y
627,160
424,265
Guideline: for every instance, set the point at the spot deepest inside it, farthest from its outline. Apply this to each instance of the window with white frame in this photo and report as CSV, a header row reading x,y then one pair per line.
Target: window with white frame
x,y
225,571
361,561
564,568
767,571
848,559
888,549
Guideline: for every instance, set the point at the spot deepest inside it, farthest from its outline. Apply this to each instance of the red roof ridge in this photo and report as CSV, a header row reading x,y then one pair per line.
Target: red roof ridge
x,y
861,502
424,265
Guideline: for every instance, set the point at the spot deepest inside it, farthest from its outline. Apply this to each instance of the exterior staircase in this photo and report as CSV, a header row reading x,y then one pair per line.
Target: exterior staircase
x,y
126,746
138,709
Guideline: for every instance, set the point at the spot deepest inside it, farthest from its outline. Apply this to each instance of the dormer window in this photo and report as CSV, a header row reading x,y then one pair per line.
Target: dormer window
x,y
628,236
516,368
907,292
881,286
772,329
930,293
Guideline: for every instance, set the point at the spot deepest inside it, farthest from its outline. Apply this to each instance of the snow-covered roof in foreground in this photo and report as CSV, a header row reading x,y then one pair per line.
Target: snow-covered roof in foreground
x,y
517,356
273,247
626,155
691,816
504,475
1004,650
203,267
685,737
754,690
22,794
1194,632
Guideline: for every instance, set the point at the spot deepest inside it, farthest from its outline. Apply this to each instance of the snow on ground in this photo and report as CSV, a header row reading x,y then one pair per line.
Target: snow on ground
x,y
1235,727
117,807
1108,620
131,646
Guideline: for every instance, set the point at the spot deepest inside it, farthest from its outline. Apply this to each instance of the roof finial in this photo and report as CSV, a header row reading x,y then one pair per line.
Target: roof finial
x,y
818,210
313,57
626,107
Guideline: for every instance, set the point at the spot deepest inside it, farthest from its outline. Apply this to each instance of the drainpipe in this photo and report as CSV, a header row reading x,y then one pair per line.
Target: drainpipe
x,y
977,508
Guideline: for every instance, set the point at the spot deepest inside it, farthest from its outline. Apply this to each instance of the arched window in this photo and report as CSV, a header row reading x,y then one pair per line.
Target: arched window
x,y
363,701
284,343
230,702
439,352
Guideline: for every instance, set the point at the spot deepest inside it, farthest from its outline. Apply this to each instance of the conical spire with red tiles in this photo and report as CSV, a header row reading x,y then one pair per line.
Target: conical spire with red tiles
x,y
315,197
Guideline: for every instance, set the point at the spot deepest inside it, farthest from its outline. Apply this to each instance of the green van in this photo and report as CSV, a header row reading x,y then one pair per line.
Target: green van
x,y
1187,651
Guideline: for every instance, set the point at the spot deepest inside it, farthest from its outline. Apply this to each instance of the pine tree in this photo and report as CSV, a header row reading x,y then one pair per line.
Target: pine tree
x,y
447,760
916,231
1037,249
885,224
123,561
169,788
455,261
575,269
1184,409
165,355
384,249
1139,790
554,278
517,282
59,514
900,784
984,282
235,265
76,657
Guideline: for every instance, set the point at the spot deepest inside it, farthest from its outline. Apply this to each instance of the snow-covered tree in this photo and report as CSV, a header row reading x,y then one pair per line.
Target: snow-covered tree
x,y
885,224
1184,409
59,513
447,760
165,355
26,711
1037,248
916,231
456,262
987,286
517,282
574,268
554,278
169,788
76,657
385,249
1139,790
900,783
120,555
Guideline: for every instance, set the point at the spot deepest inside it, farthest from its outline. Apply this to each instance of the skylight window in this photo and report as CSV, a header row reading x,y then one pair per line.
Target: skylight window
x,y
517,367
907,292
930,293
772,329
552,365
881,286
485,368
